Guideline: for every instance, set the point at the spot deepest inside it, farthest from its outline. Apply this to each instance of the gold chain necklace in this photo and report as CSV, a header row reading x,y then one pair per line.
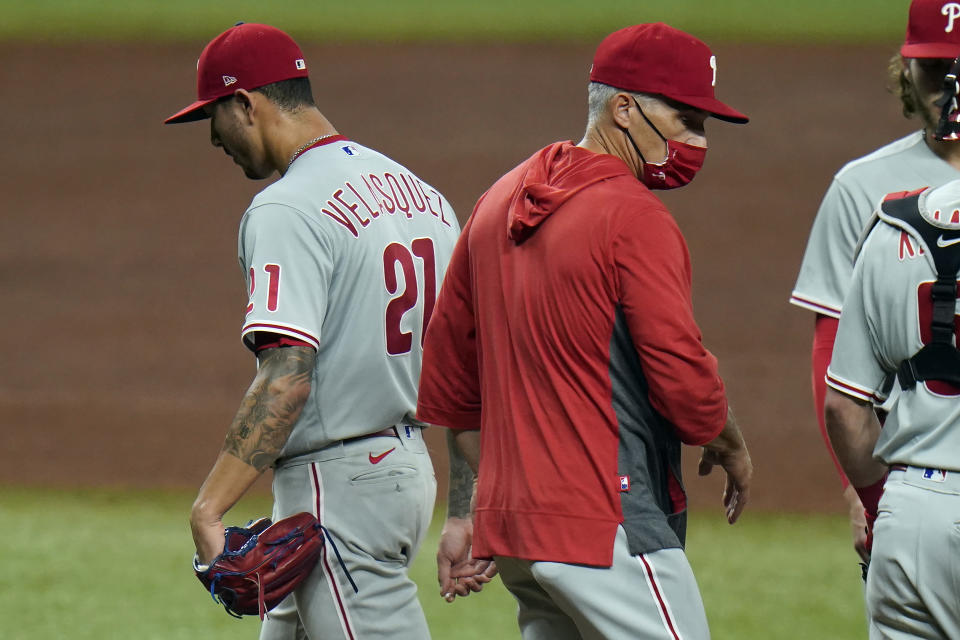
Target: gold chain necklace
x,y
307,145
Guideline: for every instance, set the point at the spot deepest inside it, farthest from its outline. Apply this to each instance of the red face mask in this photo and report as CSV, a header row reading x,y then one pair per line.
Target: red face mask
x,y
678,168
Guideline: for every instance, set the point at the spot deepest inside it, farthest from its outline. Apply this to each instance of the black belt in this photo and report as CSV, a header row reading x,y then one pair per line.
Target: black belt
x,y
389,432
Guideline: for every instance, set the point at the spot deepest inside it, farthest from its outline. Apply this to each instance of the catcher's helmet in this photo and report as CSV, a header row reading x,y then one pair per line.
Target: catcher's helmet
x,y
949,126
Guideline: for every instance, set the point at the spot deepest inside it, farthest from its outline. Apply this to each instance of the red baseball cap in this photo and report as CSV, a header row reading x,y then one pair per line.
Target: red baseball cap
x,y
245,56
933,30
656,58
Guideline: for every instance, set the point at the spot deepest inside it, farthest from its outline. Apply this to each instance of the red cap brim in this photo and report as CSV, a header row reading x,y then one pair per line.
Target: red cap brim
x,y
930,50
191,113
716,108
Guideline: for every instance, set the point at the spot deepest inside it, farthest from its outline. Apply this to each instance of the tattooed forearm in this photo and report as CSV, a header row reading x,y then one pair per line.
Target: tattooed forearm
x,y
271,406
461,482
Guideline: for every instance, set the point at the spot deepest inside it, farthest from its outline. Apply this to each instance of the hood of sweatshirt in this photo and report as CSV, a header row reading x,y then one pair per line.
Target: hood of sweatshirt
x,y
552,176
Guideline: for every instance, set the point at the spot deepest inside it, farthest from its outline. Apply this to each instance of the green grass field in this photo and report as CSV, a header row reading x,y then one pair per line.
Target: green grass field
x,y
853,21
95,564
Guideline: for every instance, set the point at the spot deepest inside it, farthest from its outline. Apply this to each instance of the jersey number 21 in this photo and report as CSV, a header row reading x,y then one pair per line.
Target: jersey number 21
x,y
406,294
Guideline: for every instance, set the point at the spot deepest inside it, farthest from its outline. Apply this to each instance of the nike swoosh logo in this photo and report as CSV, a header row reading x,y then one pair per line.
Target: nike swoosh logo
x,y
376,459
946,243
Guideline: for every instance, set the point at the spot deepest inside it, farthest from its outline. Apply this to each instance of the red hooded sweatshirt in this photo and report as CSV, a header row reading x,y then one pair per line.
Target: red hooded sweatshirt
x,y
564,331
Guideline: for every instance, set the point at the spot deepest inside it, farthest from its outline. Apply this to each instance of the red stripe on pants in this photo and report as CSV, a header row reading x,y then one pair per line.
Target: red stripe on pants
x,y
323,556
660,602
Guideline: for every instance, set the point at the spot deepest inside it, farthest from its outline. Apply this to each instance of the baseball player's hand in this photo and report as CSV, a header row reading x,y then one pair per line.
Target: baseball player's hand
x,y
457,572
739,470
207,536
858,523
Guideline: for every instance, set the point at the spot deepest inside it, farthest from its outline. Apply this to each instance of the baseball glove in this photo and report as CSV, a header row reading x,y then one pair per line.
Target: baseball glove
x,y
262,563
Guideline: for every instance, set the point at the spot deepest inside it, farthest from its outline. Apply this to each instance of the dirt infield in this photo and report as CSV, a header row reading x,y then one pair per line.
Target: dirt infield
x,y
123,301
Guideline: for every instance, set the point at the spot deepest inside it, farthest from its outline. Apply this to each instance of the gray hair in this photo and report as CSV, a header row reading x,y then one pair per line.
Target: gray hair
x,y
599,95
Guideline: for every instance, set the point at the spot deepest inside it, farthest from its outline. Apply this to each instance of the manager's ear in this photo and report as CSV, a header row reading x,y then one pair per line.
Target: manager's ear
x,y
619,109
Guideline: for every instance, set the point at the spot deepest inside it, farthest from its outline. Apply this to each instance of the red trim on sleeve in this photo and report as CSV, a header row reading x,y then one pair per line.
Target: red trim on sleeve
x,y
264,340
256,327
850,390
806,303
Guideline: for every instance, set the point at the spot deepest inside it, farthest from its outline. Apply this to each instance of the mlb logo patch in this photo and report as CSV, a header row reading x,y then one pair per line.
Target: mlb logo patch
x,y
301,64
624,484
934,475
350,150
408,432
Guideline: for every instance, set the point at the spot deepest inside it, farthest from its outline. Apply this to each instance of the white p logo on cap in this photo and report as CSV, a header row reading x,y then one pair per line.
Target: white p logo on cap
x,y
952,11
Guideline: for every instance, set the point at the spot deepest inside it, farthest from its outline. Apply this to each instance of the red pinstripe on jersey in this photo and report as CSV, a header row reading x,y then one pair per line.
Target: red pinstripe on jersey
x,y
342,613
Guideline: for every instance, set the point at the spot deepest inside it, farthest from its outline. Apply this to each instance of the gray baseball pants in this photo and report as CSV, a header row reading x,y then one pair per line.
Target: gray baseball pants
x,y
652,596
913,584
377,509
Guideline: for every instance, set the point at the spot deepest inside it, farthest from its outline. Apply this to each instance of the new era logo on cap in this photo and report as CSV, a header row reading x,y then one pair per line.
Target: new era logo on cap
x,y
246,56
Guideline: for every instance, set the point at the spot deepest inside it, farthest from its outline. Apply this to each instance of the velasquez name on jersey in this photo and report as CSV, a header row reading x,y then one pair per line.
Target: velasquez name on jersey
x,y
355,206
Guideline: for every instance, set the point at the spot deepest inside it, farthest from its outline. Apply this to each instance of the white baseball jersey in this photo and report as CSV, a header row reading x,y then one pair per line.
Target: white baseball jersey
x,y
856,190
347,252
885,320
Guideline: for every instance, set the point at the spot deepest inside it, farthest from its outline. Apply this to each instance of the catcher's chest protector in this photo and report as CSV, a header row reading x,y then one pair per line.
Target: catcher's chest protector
x,y
939,359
